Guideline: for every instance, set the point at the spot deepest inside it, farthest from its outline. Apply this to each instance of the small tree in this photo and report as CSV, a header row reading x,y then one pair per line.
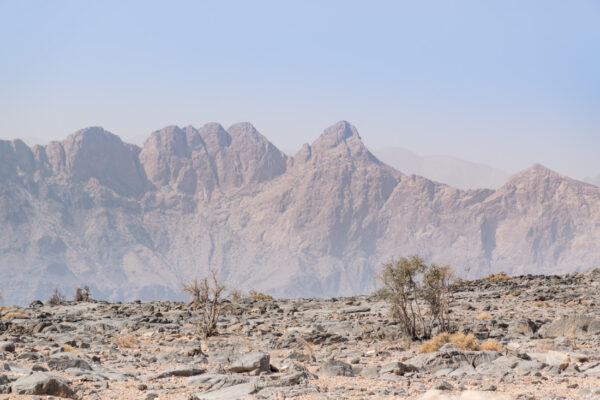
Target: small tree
x,y
436,293
410,285
82,294
56,298
206,296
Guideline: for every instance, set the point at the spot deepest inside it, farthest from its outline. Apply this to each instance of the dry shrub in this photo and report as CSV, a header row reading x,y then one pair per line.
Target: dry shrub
x,y
125,341
465,342
206,296
491,344
255,295
541,304
14,314
56,298
70,349
500,276
236,295
484,315
459,339
418,294
82,294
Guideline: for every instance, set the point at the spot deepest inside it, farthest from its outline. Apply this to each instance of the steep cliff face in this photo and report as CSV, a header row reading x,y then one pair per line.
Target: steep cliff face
x,y
138,223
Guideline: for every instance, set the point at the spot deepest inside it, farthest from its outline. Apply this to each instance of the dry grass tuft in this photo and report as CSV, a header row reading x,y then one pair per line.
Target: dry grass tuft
x,y
14,314
484,315
459,339
70,349
541,304
500,276
254,295
125,341
491,344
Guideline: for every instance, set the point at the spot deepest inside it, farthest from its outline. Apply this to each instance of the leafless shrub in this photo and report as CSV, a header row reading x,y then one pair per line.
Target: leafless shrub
x,y
236,295
206,297
56,298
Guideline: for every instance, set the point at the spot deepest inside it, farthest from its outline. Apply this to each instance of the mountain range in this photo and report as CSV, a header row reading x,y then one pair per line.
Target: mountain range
x,y
139,222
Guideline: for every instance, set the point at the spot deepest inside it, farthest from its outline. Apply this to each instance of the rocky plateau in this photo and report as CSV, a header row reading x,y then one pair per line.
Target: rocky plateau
x,y
310,348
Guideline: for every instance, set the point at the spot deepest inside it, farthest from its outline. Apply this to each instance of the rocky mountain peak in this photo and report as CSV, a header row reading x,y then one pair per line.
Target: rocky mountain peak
x,y
95,153
337,134
340,140
213,135
540,181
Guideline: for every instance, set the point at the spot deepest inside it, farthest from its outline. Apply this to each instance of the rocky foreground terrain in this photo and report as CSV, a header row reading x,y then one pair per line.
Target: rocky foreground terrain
x,y
337,348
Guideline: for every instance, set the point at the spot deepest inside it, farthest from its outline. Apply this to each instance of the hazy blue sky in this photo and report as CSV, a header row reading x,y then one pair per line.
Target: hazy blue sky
x,y
508,83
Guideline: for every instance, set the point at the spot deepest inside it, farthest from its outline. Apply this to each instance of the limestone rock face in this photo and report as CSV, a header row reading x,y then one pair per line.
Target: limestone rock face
x,y
137,223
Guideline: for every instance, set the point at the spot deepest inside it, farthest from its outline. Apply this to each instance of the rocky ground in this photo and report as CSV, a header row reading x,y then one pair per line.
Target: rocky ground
x,y
340,348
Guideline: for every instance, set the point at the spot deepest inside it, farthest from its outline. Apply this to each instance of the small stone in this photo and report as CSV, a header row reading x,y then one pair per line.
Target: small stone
x,y
442,385
9,347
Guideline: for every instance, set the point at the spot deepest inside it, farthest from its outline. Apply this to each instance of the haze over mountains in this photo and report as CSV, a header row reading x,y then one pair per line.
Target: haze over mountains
x,y
452,171
137,222
594,180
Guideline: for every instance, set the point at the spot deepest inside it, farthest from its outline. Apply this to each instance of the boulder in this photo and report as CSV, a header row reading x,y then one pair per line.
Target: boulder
x,y
252,362
62,364
576,325
40,383
397,368
336,368
452,359
9,347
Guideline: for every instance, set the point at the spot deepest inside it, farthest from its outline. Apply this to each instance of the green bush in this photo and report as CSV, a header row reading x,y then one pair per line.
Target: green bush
x,y
411,287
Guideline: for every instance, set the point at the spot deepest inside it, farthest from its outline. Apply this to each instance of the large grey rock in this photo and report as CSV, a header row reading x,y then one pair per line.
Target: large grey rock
x,y
336,368
572,326
62,364
7,346
243,391
181,371
452,359
251,362
40,383
397,368
214,382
